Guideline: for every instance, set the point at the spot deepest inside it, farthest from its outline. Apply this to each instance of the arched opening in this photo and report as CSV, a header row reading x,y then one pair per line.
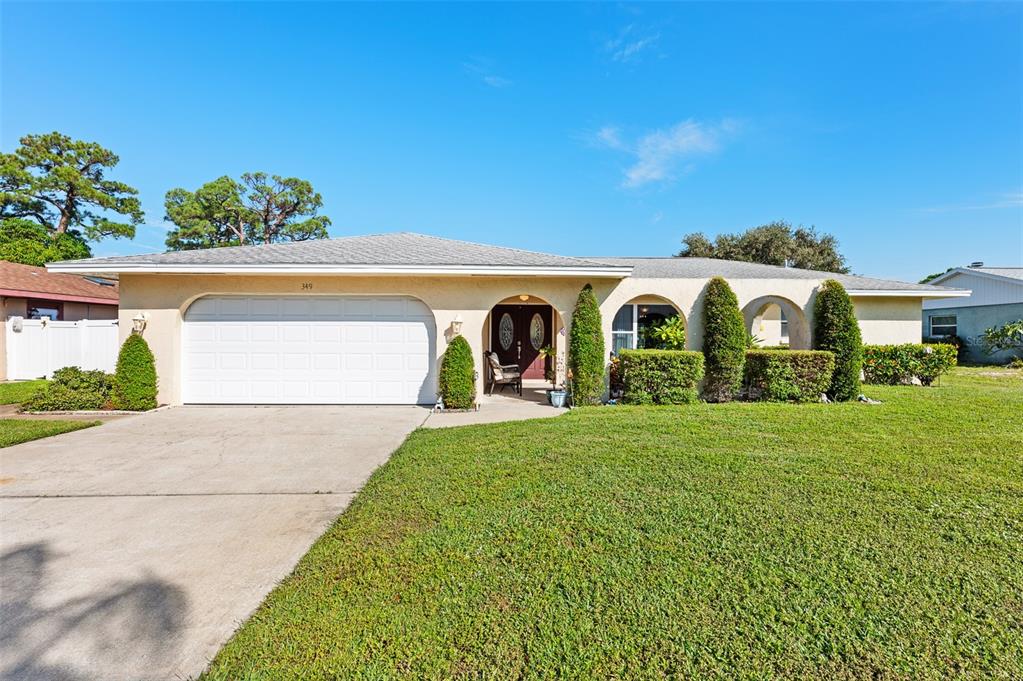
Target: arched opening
x,y
635,322
524,344
776,322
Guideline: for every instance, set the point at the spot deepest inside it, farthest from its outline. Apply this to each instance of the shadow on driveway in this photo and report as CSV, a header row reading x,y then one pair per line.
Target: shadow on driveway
x,y
135,618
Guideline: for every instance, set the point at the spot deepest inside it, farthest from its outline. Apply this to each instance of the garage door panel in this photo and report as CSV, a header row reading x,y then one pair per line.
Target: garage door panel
x,y
330,349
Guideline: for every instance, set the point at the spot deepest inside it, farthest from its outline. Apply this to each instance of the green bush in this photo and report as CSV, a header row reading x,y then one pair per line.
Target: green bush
x,y
670,334
899,364
660,376
457,381
837,330
72,389
784,375
724,341
135,376
586,350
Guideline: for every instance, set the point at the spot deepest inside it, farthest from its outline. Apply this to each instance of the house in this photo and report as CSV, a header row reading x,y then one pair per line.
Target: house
x,y
366,319
35,293
996,299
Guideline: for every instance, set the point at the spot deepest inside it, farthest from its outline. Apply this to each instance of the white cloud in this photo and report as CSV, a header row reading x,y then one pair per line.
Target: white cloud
x,y
483,69
630,44
657,155
1006,200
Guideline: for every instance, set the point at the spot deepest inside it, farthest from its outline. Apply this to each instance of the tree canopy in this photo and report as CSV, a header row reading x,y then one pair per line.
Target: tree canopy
x,y
259,209
54,197
776,243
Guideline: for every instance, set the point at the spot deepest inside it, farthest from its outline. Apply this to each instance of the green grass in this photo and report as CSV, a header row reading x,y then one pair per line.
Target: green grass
x,y
16,431
736,540
19,391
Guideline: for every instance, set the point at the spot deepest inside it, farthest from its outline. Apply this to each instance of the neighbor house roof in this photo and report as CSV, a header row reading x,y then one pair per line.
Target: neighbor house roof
x,y
1012,273
401,252
701,268
407,253
26,281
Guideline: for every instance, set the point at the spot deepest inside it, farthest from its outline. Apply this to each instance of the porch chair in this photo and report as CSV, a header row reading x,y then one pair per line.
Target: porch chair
x,y
503,374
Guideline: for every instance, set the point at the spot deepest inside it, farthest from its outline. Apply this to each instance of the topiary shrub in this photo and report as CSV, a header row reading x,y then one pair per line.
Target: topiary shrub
x,y
900,364
135,376
788,375
457,382
586,350
660,376
724,342
837,330
72,389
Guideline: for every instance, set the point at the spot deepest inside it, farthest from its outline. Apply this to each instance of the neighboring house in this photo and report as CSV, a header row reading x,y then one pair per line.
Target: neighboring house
x,y
366,319
997,298
34,293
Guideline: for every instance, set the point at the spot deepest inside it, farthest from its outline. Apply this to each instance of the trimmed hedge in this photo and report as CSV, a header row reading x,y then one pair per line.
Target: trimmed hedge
x,y
457,381
660,376
135,376
725,340
787,375
900,364
837,330
586,350
72,389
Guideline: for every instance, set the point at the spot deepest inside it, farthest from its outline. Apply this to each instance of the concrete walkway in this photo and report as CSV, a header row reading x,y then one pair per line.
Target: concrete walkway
x,y
502,406
132,550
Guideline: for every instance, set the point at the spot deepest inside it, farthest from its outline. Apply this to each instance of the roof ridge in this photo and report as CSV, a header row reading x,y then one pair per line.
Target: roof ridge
x,y
506,248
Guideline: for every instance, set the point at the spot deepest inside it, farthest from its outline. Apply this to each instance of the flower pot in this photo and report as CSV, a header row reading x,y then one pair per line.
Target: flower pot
x,y
557,398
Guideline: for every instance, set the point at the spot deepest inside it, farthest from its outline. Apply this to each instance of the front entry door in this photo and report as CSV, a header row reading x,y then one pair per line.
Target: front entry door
x,y
517,332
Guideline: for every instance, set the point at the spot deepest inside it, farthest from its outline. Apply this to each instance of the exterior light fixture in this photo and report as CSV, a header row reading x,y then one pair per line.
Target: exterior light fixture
x,y
138,322
523,297
456,325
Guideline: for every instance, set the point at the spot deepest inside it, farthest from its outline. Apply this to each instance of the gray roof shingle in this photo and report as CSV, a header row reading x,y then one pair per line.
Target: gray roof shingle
x,y
400,248
701,268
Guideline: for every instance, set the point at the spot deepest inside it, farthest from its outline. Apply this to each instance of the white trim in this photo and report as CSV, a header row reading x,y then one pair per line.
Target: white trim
x,y
908,293
977,272
614,271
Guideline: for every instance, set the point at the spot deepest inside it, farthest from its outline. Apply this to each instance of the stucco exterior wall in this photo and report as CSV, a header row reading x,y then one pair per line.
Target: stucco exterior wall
x,y
888,321
165,298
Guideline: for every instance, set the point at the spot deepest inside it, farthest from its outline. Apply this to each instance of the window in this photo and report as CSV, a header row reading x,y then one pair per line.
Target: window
x,y
45,309
628,330
943,325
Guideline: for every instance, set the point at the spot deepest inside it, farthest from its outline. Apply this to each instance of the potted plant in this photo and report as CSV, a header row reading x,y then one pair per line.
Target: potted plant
x,y
550,371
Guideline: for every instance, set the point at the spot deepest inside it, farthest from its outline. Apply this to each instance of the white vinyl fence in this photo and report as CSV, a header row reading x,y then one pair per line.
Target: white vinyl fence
x,y
42,346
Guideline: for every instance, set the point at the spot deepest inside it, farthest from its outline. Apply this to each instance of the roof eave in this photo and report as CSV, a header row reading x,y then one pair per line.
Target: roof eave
x,y
907,293
86,267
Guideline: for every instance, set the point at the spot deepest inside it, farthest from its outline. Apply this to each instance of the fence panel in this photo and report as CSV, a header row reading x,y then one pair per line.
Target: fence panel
x,y
42,346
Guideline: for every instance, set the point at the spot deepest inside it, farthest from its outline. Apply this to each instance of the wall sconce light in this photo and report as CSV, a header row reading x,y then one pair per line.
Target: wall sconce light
x,y
456,325
138,322
523,297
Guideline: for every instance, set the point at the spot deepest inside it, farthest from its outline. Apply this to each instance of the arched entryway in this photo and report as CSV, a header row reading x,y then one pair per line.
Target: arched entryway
x,y
633,322
774,321
527,332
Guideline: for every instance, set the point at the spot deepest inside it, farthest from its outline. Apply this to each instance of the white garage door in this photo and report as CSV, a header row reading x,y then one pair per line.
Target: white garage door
x,y
308,350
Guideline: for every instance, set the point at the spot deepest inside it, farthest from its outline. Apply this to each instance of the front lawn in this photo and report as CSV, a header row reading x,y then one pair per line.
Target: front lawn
x,y
749,540
16,431
19,391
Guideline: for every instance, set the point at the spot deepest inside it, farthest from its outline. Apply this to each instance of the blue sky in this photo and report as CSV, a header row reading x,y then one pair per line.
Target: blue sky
x,y
576,129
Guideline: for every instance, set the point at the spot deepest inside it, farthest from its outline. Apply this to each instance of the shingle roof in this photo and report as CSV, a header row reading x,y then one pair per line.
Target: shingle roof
x,y
401,248
701,268
37,282
1010,272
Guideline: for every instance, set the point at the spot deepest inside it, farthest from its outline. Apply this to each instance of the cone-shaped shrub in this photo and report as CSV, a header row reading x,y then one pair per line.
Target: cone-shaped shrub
x,y
586,350
457,382
836,330
724,342
135,377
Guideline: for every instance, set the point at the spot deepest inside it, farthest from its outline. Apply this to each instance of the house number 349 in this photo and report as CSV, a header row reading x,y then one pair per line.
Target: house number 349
x,y
306,286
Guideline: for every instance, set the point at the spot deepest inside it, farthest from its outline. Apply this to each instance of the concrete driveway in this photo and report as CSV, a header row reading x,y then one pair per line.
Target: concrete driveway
x,y
133,550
